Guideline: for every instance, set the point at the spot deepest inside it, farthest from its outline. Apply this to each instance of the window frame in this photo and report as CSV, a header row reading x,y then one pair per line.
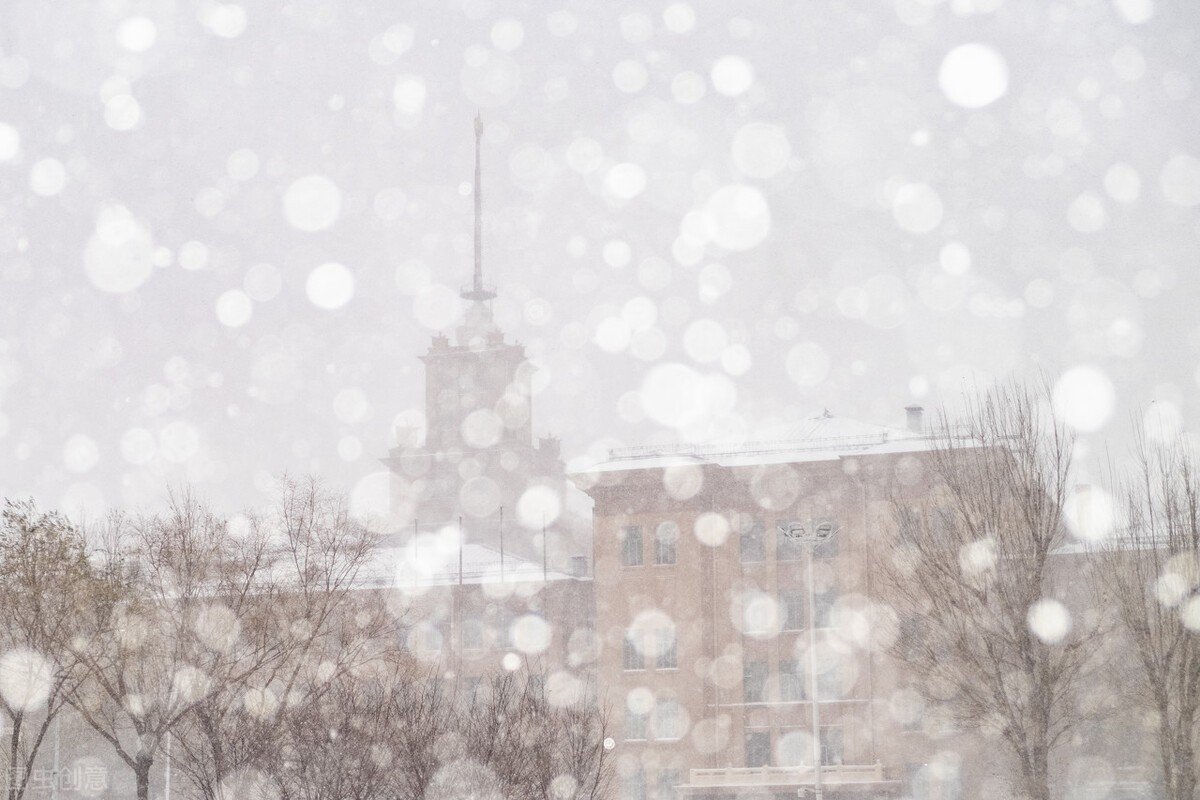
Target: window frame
x,y
631,653
666,544
793,682
762,750
754,533
628,535
666,641
636,724
755,674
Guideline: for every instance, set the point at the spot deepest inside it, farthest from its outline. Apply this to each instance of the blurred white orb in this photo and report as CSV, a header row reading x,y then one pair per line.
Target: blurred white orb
x,y
1049,620
973,75
330,286
312,203
1084,398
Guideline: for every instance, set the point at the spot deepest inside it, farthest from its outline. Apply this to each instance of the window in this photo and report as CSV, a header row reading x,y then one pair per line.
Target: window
x,y
668,779
831,745
793,610
754,546
666,723
631,546
787,548
668,656
791,681
754,682
471,633
635,725
633,785
631,655
823,608
427,637
826,531
829,683
665,538
504,622
758,748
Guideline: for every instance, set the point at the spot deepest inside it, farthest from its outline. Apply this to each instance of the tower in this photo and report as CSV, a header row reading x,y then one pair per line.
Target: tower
x,y
479,458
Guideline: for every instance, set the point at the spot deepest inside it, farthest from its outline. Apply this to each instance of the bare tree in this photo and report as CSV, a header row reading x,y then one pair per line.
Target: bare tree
x,y
1148,575
44,573
310,622
977,586
538,750
171,630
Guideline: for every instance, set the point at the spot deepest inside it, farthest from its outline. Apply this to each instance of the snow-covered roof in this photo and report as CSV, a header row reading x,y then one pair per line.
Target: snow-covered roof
x,y
821,438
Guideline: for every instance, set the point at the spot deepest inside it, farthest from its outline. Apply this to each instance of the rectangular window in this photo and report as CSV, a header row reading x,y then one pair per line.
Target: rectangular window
x,y
502,634
829,683
791,681
666,723
754,545
668,779
793,610
823,608
826,531
631,654
633,785
631,546
428,637
758,748
665,538
635,725
471,633
668,655
754,682
831,745
788,548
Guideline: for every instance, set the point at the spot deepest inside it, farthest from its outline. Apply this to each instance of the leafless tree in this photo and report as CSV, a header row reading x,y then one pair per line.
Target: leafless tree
x,y
171,629
44,573
976,583
1148,574
538,750
308,620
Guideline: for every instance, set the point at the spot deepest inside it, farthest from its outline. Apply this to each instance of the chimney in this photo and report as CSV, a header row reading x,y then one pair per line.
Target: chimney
x,y
916,423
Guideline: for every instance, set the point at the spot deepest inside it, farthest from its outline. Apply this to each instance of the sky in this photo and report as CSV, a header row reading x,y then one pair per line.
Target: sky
x,y
229,231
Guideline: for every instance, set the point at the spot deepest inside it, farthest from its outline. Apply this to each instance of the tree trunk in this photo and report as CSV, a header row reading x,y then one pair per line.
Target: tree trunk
x,y
16,775
141,773
1184,759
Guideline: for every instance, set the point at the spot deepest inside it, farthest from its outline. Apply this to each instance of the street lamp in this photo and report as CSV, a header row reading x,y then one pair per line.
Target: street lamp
x,y
812,536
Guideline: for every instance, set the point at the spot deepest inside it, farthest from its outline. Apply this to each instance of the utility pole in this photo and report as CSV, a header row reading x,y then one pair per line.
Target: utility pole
x,y
812,536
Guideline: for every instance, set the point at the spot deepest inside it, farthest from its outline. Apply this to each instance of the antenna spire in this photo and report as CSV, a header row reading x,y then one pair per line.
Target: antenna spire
x,y
478,292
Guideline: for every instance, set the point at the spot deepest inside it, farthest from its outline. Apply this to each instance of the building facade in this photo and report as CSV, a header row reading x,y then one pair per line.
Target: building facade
x,y
733,591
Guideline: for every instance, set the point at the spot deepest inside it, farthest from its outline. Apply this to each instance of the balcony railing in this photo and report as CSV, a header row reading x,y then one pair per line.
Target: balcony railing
x,y
831,775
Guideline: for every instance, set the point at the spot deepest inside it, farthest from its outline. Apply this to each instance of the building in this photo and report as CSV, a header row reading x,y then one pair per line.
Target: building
x,y
477,467
705,608
489,565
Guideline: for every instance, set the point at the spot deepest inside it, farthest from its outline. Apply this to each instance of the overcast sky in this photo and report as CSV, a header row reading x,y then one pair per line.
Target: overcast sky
x,y
228,232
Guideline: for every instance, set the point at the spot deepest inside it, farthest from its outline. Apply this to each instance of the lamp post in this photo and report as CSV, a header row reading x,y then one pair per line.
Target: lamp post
x,y
812,536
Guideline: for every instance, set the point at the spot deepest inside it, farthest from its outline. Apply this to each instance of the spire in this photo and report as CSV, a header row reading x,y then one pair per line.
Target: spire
x,y
478,292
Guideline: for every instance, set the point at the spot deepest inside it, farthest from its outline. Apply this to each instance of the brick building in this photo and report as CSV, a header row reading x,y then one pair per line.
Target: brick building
x,y
703,609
